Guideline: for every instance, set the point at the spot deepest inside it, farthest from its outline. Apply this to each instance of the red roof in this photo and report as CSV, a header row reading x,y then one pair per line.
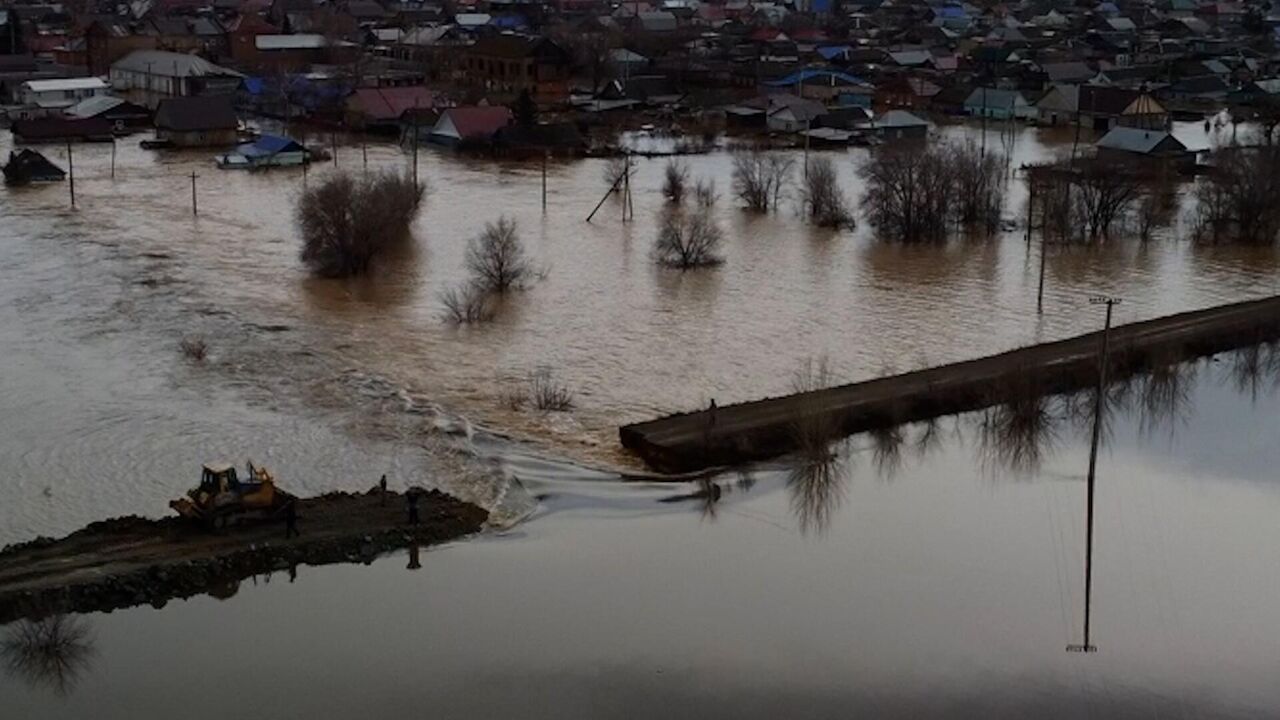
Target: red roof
x,y
472,122
389,103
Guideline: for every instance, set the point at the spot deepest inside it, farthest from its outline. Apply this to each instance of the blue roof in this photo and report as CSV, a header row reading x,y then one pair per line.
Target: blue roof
x,y
807,75
833,51
253,85
268,145
509,22
951,11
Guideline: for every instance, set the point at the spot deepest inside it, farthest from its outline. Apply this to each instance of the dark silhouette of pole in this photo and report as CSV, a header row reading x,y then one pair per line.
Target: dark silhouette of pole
x,y
71,174
545,153
1099,401
113,158
333,145
612,189
195,209
626,192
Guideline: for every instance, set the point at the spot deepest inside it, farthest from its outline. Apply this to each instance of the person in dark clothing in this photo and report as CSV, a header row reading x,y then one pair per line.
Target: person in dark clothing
x,y
382,487
412,498
291,520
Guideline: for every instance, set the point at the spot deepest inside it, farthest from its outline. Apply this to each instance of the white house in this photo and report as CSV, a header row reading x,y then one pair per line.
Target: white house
x,y
60,93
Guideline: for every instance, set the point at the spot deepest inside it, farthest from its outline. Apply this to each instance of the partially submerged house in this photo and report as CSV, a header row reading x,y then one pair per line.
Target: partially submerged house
x,y
266,151
61,129
1100,107
122,114
998,104
149,76
196,122
27,166
383,109
899,125
59,93
465,125
1128,144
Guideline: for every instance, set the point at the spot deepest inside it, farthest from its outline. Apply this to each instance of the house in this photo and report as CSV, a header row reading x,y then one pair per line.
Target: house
x,y
906,92
121,113
149,76
200,121
60,129
1128,144
461,125
791,114
383,108
1100,107
825,85
266,151
28,166
1068,72
511,64
899,125
60,93
998,104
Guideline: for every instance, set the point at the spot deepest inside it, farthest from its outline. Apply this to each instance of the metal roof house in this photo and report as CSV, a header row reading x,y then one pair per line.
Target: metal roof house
x,y
149,76
60,93
998,104
1127,143
266,151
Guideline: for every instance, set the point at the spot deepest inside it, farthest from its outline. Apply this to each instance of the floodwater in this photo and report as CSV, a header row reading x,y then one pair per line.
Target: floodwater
x,y
932,581
332,383
896,584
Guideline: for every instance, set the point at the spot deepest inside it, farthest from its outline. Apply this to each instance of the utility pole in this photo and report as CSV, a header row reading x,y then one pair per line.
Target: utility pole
x,y
545,153
808,125
113,157
71,175
333,144
195,209
1099,401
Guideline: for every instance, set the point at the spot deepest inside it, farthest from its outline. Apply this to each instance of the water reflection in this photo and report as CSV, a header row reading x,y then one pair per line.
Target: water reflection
x,y
1018,435
52,652
817,488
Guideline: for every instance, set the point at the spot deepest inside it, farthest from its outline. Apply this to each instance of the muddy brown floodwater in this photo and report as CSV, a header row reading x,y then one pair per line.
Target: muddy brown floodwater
x,y
101,416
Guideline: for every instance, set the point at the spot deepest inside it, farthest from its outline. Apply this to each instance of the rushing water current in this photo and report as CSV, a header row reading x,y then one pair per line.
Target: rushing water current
x,y
927,573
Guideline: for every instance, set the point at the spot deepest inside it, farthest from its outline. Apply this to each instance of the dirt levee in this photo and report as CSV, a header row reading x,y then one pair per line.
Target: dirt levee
x,y
131,560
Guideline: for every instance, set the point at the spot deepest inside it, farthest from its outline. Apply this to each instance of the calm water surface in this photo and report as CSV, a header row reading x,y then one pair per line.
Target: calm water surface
x,y
940,584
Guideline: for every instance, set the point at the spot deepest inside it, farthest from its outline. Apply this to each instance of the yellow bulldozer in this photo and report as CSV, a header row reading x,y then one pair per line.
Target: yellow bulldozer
x,y
222,497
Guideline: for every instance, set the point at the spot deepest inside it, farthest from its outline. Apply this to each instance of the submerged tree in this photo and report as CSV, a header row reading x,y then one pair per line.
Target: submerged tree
x,y
1236,202
347,221
496,259
759,178
979,181
908,192
822,199
675,180
1105,192
688,241
51,651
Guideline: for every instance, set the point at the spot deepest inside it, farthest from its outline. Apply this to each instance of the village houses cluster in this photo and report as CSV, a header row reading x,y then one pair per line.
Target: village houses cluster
x,y
562,76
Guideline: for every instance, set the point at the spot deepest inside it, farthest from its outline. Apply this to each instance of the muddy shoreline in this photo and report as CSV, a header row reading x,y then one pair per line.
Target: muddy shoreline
x,y
131,561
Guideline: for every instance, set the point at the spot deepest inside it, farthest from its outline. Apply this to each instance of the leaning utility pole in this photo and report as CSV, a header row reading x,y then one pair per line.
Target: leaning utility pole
x,y
195,209
1099,401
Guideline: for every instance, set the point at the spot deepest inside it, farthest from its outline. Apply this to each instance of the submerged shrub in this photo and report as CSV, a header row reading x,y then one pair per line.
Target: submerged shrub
x,y
688,241
347,221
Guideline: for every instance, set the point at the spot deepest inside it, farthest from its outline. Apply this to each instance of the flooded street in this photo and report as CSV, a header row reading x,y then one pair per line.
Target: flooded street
x,y
331,383
934,581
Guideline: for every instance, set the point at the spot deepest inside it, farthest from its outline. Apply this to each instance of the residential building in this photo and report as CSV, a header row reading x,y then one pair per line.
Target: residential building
x,y
59,93
511,64
208,121
149,76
